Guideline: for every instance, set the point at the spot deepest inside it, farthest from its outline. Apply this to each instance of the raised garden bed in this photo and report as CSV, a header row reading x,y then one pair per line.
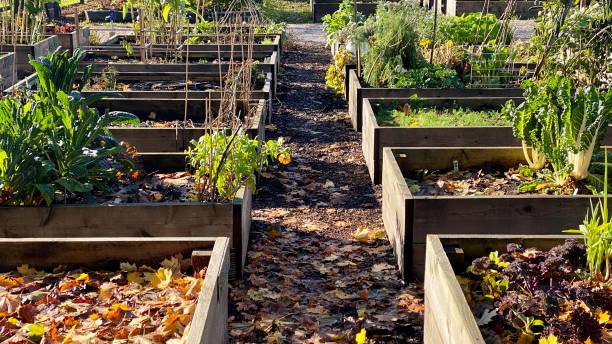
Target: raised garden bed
x,y
72,40
375,136
105,16
7,79
163,219
521,9
357,92
409,218
130,66
209,322
23,51
448,317
172,138
320,8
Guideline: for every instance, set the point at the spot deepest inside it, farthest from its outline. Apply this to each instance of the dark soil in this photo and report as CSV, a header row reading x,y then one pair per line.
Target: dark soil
x,y
308,280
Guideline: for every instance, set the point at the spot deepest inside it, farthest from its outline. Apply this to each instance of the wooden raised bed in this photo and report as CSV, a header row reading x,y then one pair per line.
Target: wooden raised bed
x,y
209,323
356,94
268,63
521,9
375,137
7,79
72,40
23,51
166,219
320,8
409,219
448,317
152,139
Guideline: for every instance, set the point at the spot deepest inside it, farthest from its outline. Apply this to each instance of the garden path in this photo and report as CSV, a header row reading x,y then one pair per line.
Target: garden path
x,y
309,279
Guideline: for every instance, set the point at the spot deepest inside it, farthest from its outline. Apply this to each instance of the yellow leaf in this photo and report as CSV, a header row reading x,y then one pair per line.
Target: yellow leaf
x,y
83,277
94,316
134,277
173,264
360,337
7,282
361,235
588,341
603,318
161,278
551,339
121,306
362,313
13,321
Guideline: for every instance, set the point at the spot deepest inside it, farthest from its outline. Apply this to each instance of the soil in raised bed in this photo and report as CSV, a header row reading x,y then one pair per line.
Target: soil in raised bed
x,y
124,86
524,294
319,268
136,304
489,180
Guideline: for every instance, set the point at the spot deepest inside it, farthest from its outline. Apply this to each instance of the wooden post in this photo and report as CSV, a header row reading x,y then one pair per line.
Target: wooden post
x,y
142,45
77,30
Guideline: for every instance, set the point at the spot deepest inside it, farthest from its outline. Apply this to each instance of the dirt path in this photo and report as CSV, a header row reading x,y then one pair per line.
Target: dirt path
x,y
308,280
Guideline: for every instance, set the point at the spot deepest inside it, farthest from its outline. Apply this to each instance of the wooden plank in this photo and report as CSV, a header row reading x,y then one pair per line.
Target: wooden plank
x,y
48,253
7,77
396,210
354,94
521,9
448,315
209,324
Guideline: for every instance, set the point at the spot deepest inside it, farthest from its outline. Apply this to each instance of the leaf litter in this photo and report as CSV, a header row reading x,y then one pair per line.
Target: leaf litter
x,y
320,268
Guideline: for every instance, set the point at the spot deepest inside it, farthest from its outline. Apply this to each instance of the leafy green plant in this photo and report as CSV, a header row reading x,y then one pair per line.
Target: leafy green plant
x,y
429,76
393,48
597,232
560,124
58,72
418,116
472,28
224,163
334,23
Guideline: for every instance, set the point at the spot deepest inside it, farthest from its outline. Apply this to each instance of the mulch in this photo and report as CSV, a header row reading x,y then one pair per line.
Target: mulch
x,y
309,279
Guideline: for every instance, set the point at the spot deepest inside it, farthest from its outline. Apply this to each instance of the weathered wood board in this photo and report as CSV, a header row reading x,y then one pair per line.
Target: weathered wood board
x,y
24,51
209,324
521,9
7,77
448,317
408,219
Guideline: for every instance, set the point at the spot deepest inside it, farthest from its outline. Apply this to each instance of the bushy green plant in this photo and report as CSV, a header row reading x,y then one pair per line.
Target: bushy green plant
x,y
429,76
224,163
473,28
334,23
398,29
52,142
574,41
562,126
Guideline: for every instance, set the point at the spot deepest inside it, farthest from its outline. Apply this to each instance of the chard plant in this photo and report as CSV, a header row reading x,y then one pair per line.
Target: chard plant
x,y
562,126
